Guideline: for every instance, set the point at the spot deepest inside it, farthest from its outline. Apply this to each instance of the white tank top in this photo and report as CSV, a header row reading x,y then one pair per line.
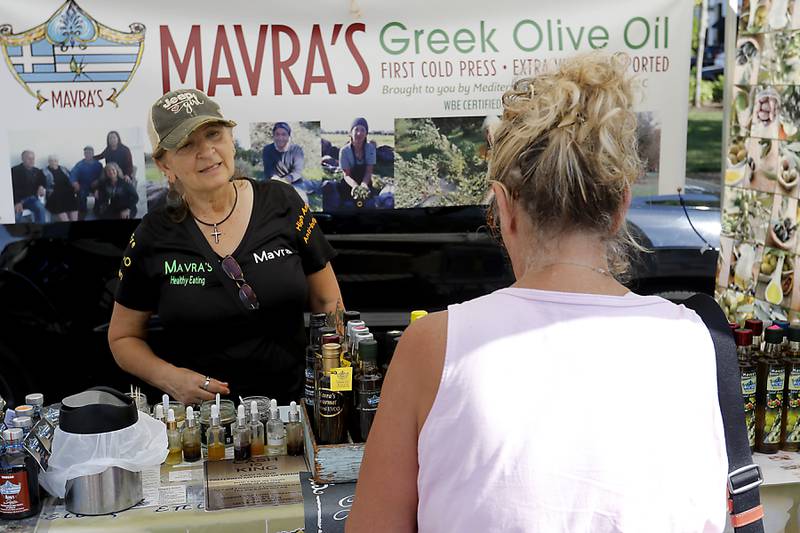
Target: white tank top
x,y
563,412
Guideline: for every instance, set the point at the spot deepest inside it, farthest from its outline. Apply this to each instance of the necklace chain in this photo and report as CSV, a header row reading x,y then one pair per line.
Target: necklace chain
x,y
216,233
602,271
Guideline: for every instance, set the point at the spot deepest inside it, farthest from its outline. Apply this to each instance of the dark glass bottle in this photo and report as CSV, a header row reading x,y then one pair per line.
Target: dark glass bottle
x,y
315,324
757,327
790,432
769,397
748,375
331,415
368,386
392,339
19,479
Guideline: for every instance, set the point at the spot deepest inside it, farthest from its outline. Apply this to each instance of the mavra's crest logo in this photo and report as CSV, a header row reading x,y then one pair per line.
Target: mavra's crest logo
x,y
73,48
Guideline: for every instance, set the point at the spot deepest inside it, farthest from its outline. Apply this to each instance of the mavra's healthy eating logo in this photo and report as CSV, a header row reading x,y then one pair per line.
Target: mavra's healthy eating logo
x,y
71,60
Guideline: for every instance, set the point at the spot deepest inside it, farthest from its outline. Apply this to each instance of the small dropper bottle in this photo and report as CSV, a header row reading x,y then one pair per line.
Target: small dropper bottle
x,y
276,433
241,436
256,431
159,412
215,437
294,432
191,438
175,455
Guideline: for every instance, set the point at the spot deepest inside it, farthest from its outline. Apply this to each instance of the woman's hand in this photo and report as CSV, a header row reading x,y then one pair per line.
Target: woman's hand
x,y
186,386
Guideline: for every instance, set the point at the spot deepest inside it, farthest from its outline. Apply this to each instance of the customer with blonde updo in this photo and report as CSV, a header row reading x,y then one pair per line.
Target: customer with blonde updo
x,y
564,403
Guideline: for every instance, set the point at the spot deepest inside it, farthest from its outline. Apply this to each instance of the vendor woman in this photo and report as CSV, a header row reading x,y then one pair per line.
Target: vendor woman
x,y
229,265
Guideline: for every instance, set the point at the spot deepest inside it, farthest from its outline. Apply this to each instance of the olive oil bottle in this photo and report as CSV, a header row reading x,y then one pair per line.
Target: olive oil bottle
x,y
330,403
791,405
368,387
757,327
748,375
769,397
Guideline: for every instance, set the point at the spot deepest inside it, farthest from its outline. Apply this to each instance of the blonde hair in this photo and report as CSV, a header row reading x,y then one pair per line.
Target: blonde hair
x,y
566,150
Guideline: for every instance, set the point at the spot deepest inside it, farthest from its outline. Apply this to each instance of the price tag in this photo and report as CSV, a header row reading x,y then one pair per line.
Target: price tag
x,y
342,379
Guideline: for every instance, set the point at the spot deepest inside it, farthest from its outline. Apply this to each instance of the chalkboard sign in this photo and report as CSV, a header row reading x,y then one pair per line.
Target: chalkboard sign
x,y
327,505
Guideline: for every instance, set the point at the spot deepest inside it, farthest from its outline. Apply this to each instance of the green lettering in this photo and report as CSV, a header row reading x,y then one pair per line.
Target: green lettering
x,y
576,41
401,41
170,269
628,43
487,39
603,37
434,42
465,45
417,35
537,29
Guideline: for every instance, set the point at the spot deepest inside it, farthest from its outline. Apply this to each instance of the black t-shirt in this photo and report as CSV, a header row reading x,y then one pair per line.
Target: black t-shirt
x,y
170,269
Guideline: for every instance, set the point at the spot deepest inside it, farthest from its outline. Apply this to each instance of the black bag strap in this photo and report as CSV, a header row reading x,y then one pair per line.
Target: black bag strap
x,y
744,476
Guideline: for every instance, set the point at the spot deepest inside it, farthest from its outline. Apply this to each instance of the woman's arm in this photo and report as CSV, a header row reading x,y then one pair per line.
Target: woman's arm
x,y
367,181
297,164
127,335
386,494
323,291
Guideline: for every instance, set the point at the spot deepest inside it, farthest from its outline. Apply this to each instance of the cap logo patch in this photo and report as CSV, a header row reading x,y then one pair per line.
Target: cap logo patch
x,y
183,101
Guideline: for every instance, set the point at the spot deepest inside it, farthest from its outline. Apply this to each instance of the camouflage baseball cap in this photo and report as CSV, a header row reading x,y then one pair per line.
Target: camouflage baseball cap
x,y
177,114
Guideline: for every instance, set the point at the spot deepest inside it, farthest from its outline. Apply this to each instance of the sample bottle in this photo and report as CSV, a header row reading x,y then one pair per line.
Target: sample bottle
x,y
19,479
159,412
215,437
294,432
241,436
191,438
331,416
174,444
24,411
276,433
757,327
769,392
368,386
256,431
747,371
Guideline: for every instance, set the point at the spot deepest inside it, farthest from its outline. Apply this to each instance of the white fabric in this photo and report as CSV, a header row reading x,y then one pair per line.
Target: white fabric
x,y
134,448
563,412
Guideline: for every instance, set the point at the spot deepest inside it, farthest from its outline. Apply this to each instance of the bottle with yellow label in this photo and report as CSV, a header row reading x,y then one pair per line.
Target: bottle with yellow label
x,y
769,397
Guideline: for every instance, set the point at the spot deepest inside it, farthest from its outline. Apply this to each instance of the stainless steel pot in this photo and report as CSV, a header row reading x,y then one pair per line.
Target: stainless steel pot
x,y
111,491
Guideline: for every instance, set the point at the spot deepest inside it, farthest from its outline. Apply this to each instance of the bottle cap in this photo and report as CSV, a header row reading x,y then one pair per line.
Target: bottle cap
x,y
368,349
743,337
317,319
159,412
755,325
794,333
214,413
294,414
733,325
170,415
190,416
12,435
330,338
240,413
24,410
273,404
327,330
217,403
353,324
351,315
35,398
330,351
774,334
254,408
416,315
783,324
23,422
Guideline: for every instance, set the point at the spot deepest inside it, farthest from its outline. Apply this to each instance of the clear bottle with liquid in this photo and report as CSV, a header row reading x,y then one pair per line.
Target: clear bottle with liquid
x,y
294,431
276,432
159,412
749,380
174,444
190,438
769,393
19,479
241,436
256,431
215,437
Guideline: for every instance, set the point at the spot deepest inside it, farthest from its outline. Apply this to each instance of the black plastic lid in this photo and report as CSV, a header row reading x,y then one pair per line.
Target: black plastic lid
x,y
783,324
97,410
351,315
368,350
773,334
317,319
327,330
794,333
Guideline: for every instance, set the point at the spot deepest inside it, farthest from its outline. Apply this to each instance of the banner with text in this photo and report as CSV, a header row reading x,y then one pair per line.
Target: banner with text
x,y
423,80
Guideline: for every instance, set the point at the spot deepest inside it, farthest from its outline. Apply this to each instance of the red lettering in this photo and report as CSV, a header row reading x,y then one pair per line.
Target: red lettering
x,y
100,98
280,67
359,59
81,99
221,47
193,51
252,70
317,47
57,98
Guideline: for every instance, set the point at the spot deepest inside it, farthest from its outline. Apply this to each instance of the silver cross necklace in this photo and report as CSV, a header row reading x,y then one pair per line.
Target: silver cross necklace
x,y
216,233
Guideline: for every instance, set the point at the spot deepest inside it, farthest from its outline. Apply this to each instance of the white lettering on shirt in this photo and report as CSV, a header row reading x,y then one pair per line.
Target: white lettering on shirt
x,y
269,255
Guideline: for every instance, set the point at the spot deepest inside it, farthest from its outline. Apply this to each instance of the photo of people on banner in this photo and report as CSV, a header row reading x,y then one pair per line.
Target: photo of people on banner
x,y
61,178
756,275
